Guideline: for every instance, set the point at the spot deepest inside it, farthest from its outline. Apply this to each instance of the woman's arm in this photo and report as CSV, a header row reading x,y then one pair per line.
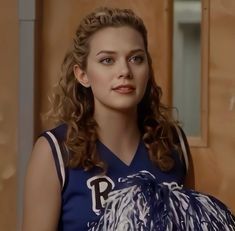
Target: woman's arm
x,y
42,195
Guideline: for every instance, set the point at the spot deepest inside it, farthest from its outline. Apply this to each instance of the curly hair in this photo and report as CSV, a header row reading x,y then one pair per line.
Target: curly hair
x,y
73,104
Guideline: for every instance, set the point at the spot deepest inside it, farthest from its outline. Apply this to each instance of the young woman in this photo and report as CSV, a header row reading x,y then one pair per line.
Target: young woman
x,y
115,161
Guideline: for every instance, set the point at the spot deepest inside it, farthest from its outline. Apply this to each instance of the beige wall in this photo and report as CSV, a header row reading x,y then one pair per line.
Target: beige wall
x,y
214,165
8,112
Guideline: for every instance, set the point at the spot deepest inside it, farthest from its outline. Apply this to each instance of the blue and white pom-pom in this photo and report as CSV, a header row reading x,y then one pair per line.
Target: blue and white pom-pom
x,y
144,205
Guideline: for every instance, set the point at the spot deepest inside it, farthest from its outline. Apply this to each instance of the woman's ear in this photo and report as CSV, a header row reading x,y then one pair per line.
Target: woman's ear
x,y
81,76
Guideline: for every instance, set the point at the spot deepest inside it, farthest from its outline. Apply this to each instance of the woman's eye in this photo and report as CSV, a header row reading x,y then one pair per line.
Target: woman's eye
x,y
107,61
137,59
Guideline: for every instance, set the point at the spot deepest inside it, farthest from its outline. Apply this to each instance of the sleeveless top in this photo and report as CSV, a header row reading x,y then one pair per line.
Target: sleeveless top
x,y
138,197
84,192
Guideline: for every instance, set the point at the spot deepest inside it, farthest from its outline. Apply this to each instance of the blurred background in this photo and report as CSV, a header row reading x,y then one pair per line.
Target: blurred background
x,y
192,43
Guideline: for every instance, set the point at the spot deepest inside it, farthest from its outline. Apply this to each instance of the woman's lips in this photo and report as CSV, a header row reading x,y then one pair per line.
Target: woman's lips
x,y
124,89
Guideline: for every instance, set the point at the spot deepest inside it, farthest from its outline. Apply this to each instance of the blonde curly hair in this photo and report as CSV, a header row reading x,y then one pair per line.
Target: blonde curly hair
x,y
73,104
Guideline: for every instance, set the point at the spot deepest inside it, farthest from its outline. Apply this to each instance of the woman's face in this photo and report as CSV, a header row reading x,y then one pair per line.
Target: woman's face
x,y
117,68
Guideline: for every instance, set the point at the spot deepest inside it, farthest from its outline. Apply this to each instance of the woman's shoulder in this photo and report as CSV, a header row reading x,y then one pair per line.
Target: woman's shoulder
x,y
59,132
49,142
52,141
41,174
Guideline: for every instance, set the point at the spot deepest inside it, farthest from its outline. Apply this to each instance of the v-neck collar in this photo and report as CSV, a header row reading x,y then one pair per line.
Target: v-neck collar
x,y
112,159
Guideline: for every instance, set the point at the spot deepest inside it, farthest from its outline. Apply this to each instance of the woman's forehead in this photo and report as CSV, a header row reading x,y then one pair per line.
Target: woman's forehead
x,y
115,39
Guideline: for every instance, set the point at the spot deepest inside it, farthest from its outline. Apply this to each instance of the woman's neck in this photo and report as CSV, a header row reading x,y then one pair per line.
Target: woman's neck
x,y
117,125
119,132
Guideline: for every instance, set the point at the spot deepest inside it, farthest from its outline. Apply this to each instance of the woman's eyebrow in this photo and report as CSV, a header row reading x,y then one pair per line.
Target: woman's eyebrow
x,y
114,52
137,50
106,52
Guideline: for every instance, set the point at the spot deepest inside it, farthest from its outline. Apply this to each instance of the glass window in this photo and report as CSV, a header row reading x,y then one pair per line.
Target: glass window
x,y
187,64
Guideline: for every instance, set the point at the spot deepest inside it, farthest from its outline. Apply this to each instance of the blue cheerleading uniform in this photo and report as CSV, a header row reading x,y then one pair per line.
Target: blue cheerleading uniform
x,y
137,197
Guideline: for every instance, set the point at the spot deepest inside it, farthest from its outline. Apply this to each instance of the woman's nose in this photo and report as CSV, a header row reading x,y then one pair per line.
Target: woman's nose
x,y
124,70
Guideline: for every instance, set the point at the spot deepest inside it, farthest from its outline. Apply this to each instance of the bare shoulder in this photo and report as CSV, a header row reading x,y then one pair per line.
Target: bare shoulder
x,y
41,146
41,166
41,159
41,150
42,193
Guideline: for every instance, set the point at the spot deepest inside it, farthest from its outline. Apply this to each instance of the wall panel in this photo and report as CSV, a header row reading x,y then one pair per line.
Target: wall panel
x,y
214,165
8,113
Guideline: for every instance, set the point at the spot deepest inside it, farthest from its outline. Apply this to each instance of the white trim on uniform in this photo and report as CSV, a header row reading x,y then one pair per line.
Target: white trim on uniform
x,y
59,154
